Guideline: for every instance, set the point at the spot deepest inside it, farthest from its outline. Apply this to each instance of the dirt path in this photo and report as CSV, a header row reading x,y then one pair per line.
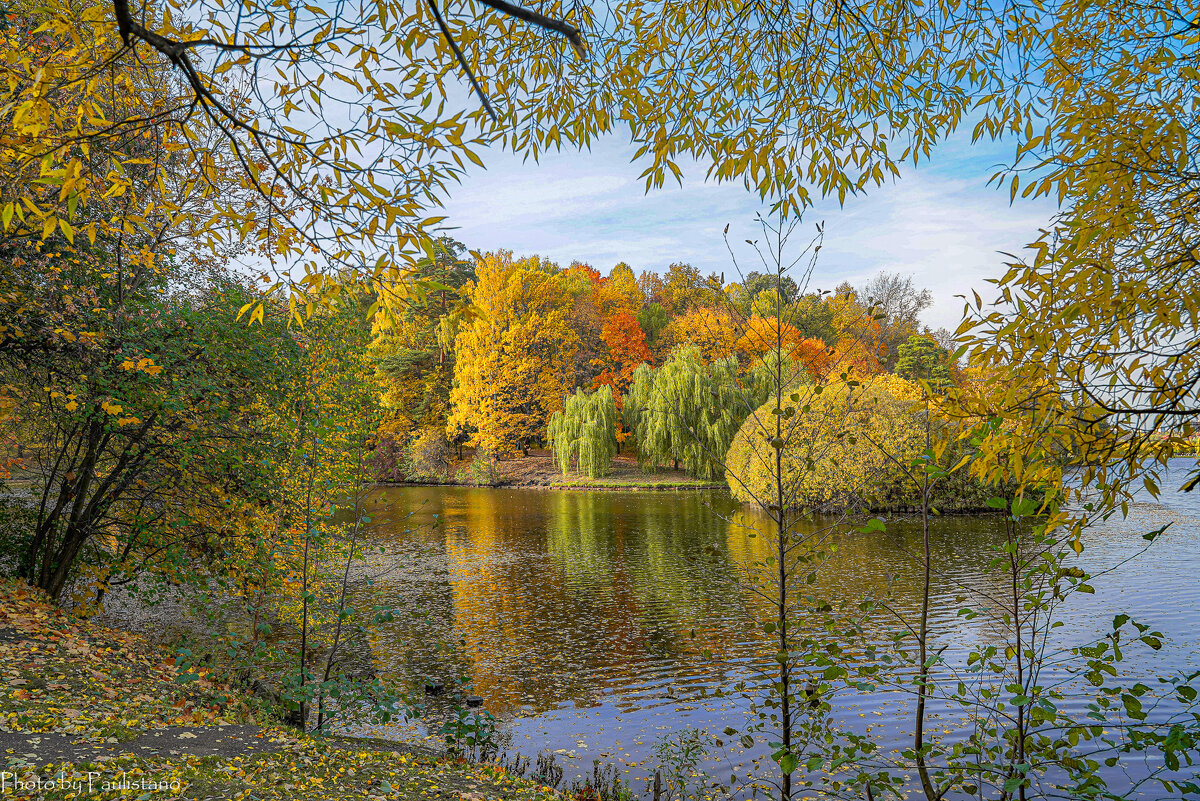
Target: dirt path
x,y
40,749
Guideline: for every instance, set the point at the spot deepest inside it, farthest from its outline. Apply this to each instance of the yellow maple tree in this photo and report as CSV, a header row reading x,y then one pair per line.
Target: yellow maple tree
x,y
713,330
514,359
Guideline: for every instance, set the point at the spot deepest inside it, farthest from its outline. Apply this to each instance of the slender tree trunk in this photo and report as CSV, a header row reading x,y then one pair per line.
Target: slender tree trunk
x,y
337,632
923,672
785,712
1014,569
102,587
47,518
303,713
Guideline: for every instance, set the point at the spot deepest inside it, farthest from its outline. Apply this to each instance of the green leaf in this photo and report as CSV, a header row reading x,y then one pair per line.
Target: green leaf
x,y
1133,706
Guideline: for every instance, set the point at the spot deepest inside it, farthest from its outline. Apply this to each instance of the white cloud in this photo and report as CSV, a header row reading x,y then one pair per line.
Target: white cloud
x,y
939,223
948,232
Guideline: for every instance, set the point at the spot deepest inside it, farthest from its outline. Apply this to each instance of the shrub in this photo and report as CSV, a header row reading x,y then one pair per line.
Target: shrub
x,y
484,469
848,445
429,456
844,445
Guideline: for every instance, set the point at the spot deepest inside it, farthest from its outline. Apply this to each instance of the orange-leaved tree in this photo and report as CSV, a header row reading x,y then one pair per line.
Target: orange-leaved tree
x,y
763,335
627,350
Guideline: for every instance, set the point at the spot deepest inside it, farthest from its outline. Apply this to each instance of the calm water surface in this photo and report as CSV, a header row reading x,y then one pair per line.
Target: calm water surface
x,y
582,618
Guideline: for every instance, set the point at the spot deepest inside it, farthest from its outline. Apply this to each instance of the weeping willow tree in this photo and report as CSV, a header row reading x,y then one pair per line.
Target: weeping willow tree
x,y
687,412
585,432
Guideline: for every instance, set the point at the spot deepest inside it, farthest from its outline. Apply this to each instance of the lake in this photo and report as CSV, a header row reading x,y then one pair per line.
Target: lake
x,y
584,620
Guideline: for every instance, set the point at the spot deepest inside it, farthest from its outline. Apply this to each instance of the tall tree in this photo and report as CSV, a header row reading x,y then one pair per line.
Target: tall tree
x,y
652,286
922,359
687,412
653,320
413,342
763,336
813,315
754,284
895,303
137,410
1103,306
714,331
584,432
686,290
619,292
515,358
586,320
627,350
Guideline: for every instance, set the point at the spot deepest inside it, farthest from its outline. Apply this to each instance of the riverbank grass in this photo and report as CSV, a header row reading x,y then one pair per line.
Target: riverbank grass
x,y
92,713
644,481
540,470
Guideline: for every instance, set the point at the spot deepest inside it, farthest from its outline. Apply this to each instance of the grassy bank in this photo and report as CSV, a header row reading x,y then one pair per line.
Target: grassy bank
x,y
539,470
642,483
88,712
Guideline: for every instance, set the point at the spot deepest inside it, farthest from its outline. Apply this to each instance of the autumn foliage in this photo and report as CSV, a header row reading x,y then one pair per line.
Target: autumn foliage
x,y
492,361
626,343
514,358
763,335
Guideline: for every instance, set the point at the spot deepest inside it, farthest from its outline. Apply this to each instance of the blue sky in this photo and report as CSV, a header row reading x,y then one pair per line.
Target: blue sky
x,y
940,222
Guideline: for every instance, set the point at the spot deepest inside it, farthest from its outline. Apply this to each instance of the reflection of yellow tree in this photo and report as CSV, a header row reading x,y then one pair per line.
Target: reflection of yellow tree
x,y
516,621
618,589
552,597
878,565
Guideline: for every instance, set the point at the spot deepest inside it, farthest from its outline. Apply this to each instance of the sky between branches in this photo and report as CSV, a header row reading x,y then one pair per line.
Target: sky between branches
x,y
940,222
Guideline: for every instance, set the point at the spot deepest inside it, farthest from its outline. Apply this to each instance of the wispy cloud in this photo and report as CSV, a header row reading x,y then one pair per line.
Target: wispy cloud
x,y
950,233
939,223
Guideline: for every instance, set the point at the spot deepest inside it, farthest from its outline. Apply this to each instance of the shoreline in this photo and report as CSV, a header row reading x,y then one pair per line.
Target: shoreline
x,y
626,487
89,706
538,470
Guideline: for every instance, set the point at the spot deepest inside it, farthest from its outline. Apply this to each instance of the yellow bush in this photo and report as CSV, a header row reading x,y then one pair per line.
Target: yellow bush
x,y
842,445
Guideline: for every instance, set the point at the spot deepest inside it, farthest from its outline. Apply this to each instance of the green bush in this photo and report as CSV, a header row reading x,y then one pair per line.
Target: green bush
x,y
429,456
484,469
